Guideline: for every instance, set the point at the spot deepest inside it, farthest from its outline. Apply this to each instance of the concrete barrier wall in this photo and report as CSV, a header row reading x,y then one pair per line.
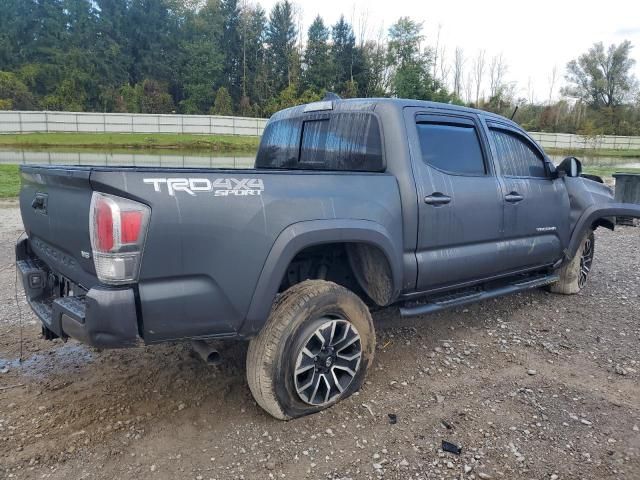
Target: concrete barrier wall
x,y
570,140
34,122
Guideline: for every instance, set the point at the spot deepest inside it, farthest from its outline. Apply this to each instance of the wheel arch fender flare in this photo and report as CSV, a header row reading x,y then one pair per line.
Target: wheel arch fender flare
x,y
598,216
301,235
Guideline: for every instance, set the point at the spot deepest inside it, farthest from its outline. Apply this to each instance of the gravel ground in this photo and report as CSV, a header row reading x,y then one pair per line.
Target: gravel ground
x,y
532,386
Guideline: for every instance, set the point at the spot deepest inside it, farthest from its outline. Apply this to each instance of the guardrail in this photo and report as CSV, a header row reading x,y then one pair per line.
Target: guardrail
x,y
36,122
573,141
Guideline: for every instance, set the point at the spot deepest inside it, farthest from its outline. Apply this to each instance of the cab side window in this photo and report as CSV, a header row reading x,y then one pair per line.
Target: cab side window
x,y
451,147
516,156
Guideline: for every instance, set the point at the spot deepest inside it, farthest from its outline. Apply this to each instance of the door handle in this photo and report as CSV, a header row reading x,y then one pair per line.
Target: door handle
x,y
513,197
437,198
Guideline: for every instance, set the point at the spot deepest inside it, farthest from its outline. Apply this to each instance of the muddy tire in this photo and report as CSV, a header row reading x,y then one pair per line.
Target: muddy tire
x,y
314,350
575,274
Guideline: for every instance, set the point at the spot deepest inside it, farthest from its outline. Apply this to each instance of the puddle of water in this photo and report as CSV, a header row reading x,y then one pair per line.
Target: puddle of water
x,y
69,356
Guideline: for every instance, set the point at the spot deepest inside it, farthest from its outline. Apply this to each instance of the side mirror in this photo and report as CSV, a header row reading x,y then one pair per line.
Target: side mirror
x,y
571,167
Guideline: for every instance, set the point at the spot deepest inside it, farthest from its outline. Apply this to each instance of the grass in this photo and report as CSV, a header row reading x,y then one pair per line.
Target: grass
x,y
602,152
9,181
609,171
213,143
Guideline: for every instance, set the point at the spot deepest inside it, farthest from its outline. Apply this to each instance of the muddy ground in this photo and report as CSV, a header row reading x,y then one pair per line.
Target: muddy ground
x,y
532,386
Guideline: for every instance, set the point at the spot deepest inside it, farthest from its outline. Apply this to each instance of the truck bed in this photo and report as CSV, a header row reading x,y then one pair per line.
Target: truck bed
x,y
210,235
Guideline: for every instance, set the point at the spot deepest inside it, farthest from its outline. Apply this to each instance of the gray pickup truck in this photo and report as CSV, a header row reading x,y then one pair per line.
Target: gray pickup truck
x,y
351,204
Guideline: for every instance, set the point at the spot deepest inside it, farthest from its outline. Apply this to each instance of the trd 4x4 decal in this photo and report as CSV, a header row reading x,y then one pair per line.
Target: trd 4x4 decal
x,y
221,187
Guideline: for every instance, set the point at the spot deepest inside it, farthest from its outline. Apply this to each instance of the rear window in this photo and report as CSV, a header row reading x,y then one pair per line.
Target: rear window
x,y
335,141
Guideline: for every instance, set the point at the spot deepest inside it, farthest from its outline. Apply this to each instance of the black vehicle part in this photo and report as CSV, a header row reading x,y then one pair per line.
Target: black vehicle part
x,y
451,447
101,317
314,350
471,296
594,178
207,353
627,191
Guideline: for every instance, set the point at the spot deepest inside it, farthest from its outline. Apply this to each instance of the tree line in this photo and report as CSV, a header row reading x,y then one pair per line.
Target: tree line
x,y
234,58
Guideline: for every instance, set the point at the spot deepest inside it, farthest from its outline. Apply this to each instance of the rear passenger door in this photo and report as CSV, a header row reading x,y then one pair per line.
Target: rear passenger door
x,y
459,199
535,204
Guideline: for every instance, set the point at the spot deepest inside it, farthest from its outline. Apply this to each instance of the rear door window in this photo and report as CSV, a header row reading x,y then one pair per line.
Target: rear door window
x,y
452,147
516,156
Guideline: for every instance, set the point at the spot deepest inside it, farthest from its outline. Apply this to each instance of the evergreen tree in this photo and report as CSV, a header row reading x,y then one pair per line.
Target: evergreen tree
x,y
202,66
318,68
281,37
232,48
342,53
254,68
222,104
411,68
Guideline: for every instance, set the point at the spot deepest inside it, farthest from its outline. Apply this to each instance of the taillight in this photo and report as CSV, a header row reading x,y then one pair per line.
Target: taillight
x,y
118,231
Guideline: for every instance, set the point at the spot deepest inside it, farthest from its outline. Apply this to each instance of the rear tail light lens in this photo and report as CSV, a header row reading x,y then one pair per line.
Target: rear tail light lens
x,y
118,231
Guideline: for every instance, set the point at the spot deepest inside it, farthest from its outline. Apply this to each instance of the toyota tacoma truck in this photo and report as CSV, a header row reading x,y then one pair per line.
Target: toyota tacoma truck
x,y
352,204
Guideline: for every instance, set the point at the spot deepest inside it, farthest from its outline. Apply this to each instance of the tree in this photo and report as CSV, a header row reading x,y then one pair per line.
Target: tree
x,y
478,73
377,84
318,65
342,53
155,98
411,69
603,78
254,67
223,103
152,29
281,38
13,93
458,72
231,46
497,71
202,61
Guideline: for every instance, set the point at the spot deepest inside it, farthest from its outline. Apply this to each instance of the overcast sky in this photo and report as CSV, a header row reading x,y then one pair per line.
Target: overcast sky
x,y
532,36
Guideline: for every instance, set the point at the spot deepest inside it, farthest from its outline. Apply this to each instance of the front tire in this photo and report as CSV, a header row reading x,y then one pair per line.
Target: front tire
x,y
314,350
575,274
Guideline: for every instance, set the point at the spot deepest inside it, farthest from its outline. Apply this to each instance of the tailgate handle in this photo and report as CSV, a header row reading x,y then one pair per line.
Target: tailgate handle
x,y
39,203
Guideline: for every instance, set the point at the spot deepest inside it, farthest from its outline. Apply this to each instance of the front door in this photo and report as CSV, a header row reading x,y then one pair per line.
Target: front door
x,y
460,199
536,206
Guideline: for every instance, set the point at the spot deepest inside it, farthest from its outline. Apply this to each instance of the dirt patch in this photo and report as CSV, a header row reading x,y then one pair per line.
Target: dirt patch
x,y
533,386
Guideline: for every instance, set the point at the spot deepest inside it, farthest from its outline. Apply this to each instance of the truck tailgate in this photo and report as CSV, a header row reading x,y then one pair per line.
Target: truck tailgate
x,y
55,203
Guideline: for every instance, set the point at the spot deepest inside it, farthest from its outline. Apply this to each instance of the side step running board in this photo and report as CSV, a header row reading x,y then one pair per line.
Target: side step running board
x,y
437,305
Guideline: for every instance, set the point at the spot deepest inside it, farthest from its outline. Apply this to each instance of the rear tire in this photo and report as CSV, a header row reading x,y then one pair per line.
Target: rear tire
x,y
575,274
314,350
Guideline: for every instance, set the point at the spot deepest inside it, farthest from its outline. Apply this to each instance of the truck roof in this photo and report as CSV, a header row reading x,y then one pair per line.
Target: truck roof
x,y
371,104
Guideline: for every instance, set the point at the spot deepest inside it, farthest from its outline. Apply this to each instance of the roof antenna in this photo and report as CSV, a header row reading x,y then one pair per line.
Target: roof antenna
x,y
514,112
331,96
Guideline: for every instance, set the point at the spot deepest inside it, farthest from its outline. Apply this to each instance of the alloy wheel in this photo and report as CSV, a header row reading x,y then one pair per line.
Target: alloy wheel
x,y
586,259
328,361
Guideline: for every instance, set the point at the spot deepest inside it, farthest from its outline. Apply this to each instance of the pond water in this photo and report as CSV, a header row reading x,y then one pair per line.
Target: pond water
x,y
179,158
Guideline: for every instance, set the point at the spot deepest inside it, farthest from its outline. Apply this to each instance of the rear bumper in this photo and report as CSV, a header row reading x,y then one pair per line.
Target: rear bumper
x,y
101,317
